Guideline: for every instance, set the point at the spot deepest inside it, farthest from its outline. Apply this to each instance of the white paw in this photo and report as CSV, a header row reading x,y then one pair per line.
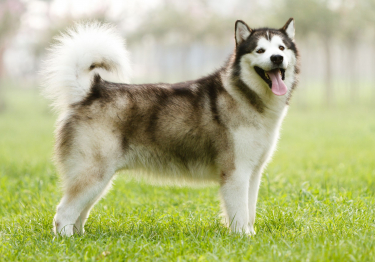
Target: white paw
x,y
78,230
66,231
243,230
62,229
251,231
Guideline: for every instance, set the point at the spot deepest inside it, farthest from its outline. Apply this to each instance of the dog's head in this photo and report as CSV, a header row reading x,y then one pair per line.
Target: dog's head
x,y
268,55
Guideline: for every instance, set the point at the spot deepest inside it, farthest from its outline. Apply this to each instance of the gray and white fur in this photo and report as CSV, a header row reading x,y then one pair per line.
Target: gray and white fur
x,y
220,128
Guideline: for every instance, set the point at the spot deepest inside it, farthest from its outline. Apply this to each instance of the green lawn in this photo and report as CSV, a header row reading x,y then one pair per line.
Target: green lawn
x,y
316,201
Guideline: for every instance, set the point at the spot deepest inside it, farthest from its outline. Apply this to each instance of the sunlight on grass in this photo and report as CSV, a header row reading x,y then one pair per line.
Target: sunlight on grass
x,y
316,200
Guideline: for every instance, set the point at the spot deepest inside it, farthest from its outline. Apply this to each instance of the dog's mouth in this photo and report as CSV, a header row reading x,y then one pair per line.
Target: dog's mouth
x,y
274,78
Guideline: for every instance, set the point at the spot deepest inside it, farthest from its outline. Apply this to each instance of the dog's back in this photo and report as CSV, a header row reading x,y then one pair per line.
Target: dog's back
x,y
221,128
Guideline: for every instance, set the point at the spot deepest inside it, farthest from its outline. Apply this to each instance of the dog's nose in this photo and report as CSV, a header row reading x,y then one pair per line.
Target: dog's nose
x,y
277,59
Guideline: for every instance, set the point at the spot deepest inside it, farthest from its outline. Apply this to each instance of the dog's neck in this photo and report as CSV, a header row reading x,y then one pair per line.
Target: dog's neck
x,y
247,87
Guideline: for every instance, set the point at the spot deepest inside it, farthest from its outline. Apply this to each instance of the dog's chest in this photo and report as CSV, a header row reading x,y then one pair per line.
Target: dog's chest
x,y
254,143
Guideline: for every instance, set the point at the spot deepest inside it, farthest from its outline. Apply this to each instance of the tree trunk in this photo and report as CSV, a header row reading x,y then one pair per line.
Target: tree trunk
x,y
328,74
353,87
2,74
373,80
2,68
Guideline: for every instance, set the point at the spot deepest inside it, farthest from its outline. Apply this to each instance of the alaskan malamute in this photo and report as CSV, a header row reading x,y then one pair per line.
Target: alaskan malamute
x,y
222,128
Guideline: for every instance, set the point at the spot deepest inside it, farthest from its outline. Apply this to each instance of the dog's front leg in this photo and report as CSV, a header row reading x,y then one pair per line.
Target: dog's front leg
x,y
234,192
253,196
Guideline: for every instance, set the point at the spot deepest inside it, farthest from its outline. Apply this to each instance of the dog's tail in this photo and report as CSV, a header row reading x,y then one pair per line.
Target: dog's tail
x,y
79,54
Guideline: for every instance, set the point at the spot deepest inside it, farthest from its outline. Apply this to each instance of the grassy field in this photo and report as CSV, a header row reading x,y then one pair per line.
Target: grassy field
x,y
316,201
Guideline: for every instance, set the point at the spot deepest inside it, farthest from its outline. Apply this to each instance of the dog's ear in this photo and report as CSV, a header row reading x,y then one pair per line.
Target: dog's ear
x,y
288,28
242,32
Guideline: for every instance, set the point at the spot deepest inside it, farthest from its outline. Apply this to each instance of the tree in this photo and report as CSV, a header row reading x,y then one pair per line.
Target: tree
x,y
368,8
354,20
10,12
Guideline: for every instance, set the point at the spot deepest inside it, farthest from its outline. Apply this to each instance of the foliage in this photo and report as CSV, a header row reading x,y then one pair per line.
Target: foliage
x,y
168,22
10,12
311,16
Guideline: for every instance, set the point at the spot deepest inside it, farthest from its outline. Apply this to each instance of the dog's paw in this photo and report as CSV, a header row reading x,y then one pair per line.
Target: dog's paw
x,y
61,229
79,231
251,232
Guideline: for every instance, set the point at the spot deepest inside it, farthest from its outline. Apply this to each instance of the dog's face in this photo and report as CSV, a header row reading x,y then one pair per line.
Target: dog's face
x,y
270,54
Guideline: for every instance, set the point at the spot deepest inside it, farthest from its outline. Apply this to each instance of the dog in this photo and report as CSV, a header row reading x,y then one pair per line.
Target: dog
x,y
221,128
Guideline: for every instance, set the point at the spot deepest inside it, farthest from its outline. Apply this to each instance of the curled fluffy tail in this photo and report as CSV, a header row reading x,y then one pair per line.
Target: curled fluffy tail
x,y
79,54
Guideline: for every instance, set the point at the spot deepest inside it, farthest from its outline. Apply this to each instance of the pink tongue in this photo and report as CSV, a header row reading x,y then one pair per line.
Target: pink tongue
x,y
278,86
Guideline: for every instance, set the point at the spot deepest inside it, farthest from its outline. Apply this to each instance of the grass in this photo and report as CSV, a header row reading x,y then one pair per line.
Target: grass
x,y
316,201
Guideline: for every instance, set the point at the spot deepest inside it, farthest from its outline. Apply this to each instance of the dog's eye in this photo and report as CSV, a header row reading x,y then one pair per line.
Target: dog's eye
x,y
281,48
261,51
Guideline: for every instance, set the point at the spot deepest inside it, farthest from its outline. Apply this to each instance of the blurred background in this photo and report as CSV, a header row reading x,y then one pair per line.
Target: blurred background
x,y
317,195
172,40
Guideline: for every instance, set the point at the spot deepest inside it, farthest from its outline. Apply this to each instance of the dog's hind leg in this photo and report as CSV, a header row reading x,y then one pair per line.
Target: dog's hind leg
x,y
82,190
81,220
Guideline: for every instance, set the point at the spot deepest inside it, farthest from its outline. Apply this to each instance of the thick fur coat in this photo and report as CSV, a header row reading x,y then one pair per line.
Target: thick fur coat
x,y
221,128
